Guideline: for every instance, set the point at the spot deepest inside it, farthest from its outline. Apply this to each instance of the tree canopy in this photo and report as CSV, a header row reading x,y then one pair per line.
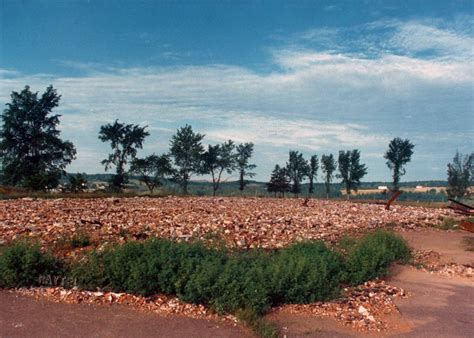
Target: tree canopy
x,y
244,152
31,150
328,165
216,160
297,169
124,140
186,152
351,171
398,155
151,170
460,175
313,172
279,181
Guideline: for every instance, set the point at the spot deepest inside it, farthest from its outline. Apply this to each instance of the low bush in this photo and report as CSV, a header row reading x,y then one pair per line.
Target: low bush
x,y
373,254
80,240
245,282
22,264
305,273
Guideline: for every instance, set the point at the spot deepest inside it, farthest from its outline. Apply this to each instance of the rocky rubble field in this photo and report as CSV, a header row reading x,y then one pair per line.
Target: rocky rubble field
x,y
241,222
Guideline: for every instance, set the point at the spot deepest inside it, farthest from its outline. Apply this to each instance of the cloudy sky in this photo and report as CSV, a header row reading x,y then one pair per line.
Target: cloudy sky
x,y
314,76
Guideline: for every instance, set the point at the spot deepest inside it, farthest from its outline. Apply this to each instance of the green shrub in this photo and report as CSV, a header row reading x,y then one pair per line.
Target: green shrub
x,y
448,223
232,281
243,283
80,240
22,263
263,328
373,254
305,273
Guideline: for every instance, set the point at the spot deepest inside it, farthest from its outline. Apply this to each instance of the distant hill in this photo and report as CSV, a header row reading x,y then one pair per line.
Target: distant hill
x,y
258,188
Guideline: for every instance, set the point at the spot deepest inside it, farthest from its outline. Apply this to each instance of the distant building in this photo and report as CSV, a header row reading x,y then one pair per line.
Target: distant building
x,y
382,187
419,187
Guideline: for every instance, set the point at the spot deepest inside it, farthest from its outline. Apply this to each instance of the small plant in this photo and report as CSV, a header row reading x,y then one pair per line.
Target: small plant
x,y
449,223
263,328
373,254
80,240
22,263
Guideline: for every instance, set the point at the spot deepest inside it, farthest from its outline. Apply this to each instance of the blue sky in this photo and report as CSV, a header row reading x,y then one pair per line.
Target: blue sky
x,y
315,76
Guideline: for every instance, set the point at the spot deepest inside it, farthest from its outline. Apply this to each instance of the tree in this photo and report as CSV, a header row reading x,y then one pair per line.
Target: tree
x,y
77,183
151,170
351,171
279,181
216,160
460,175
398,155
313,172
328,165
124,139
244,153
297,169
32,153
186,151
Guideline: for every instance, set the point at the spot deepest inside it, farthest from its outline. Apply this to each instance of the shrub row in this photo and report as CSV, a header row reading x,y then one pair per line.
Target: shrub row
x,y
228,281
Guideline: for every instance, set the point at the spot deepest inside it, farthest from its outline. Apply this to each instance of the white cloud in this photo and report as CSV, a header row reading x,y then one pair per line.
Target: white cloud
x,y
316,101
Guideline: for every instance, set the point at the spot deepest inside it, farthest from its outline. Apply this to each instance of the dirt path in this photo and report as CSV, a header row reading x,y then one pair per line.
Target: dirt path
x,y
26,317
450,245
437,306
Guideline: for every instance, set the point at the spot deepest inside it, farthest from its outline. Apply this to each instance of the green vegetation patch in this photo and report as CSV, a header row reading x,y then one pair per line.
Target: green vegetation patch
x,y
247,283
373,254
22,264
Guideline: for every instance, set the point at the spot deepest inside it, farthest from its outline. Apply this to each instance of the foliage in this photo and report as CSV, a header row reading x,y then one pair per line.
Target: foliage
x,y
448,223
279,181
243,154
246,283
398,155
80,240
22,263
313,172
328,165
262,327
31,151
305,273
371,257
216,160
151,170
77,183
186,151
297,169
124,139
460,175
351,170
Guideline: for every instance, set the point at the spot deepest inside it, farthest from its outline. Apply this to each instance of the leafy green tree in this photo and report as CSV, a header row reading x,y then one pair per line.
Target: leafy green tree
x,y
32,153
152,170
244,153
279,181
460,175
351,171
313,172
216,160
297,169
77,183
124,139
186,152
328,165
398,155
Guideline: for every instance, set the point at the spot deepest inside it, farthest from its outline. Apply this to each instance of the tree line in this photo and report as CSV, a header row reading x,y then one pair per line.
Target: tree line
x,y
33,155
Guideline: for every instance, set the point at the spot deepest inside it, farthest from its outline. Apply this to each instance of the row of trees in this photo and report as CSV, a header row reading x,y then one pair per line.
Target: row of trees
x,y
289,178
33,155
187,157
